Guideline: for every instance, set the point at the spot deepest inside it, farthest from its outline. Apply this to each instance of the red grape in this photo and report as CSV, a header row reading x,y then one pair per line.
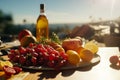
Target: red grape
x,y
12,51
22,59
51,63
34,54
11,55
52,57
31,45
34,60
16,58
22,50
17,69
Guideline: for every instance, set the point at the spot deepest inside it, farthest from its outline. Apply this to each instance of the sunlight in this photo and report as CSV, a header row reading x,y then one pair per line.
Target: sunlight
x,y
110,3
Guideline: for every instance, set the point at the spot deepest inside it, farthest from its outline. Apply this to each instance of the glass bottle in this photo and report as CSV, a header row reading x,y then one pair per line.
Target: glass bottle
x,y
42,25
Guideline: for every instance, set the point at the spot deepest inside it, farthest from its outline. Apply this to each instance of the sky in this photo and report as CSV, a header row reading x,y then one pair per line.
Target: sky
x,y
62,11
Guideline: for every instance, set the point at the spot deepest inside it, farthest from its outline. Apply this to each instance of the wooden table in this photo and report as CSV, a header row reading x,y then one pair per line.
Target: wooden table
x,y
101,71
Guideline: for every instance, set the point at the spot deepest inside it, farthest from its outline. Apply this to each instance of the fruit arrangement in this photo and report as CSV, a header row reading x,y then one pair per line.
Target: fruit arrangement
x,y
51,52
38,55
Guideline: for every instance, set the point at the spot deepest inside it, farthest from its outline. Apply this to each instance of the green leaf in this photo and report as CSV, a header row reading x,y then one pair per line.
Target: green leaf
x,y
55,38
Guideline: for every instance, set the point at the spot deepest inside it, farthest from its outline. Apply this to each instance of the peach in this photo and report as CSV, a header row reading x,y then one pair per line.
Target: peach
x,y
71,44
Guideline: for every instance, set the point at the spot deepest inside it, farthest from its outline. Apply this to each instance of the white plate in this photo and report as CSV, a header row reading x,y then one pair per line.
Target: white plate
x,y
96,59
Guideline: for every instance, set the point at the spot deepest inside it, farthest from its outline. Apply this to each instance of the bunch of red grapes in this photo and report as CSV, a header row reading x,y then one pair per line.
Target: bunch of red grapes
x,y
38,55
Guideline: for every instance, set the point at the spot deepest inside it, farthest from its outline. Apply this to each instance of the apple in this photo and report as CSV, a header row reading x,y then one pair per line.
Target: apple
x,y
23,33
71,44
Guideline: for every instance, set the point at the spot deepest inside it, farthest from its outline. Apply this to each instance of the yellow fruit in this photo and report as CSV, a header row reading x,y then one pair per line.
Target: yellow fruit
x,y
73,57
3,63
9,63
86,55
78,50
60,49
91,46
25,41
2,74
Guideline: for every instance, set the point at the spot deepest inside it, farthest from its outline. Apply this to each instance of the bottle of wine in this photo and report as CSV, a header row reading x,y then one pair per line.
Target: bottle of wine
x,y
42,25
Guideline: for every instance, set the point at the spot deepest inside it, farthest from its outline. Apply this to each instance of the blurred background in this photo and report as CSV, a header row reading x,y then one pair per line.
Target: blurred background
x,y
90,19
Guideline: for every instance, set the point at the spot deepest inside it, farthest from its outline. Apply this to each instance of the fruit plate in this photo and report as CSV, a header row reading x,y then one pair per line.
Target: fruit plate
x,y
95,60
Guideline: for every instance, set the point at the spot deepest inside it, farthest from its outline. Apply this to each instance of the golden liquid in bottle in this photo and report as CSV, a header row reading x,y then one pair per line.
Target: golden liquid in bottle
x,y
42,27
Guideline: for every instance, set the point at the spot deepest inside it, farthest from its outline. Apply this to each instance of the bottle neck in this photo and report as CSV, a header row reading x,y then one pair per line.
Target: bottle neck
x,y
42,11
42,8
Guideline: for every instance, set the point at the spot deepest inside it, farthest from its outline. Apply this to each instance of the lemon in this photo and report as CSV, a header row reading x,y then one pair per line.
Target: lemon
x,y
3,63
86,55
91,46
73,57
8,63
